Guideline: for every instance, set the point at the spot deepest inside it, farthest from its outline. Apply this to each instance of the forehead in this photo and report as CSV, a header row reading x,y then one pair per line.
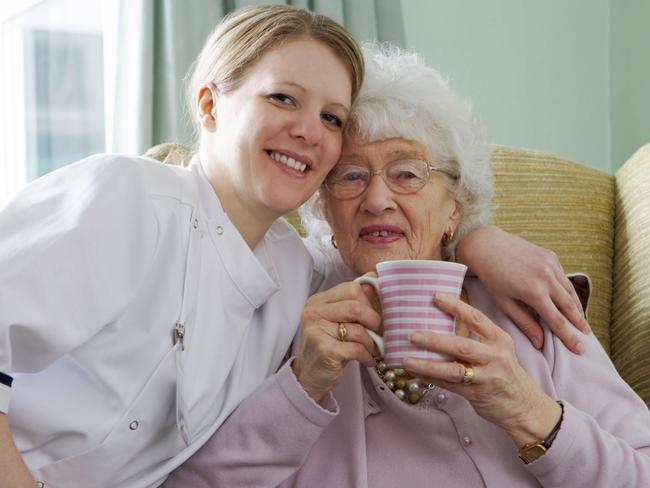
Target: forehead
x,y
382,151
306,63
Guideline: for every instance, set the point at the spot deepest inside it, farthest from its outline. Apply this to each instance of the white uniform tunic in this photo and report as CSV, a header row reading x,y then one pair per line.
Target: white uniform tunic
x,y
103,265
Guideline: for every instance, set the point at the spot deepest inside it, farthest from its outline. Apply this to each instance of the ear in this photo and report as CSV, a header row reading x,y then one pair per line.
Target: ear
x,y
206,106
456,216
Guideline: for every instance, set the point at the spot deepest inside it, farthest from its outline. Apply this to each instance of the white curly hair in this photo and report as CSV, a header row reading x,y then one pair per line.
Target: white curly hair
x,y
403,97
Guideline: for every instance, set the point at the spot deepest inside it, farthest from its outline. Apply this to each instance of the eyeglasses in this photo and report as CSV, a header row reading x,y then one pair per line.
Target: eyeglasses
x,y
403,176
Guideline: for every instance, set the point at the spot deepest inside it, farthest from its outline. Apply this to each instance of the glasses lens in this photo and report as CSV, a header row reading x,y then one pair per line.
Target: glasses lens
x,y
407,176
347,181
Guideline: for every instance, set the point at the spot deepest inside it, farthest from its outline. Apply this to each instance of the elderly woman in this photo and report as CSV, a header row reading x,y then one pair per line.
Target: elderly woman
x,y
414,176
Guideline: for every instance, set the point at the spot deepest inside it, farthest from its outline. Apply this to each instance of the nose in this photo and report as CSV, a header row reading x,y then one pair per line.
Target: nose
x,y
309,128
377,198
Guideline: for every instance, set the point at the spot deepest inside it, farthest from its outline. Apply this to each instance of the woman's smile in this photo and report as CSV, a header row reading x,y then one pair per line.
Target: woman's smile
x,y
292,163
381,234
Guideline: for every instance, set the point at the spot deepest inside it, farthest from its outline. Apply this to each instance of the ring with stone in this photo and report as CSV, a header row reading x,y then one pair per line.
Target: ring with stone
x,y
468,376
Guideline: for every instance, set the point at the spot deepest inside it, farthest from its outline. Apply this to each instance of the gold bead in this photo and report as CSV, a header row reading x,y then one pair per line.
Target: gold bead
x,y
414,397
400,383
381,366
390,385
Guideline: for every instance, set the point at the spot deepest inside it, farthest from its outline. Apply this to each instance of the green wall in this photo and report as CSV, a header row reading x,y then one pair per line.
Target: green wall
x,y
630,81
565,76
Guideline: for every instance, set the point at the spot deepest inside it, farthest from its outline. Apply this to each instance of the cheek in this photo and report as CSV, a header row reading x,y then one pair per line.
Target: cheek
x,y
332,150
339,217
427,222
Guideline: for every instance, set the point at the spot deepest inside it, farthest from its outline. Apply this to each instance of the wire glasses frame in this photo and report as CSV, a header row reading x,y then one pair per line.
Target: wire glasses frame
x,y
402,176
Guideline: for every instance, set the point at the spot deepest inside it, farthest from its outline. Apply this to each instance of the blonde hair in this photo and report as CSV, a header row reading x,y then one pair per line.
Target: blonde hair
x,y
245,35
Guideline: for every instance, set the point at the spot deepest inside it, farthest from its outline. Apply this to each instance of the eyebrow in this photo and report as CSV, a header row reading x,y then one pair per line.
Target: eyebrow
x,y
303,89
394,155
405,154
352,158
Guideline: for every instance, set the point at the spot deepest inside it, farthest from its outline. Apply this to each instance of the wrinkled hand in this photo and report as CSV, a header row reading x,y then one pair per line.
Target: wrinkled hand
x,y
321,354
520,276
501,392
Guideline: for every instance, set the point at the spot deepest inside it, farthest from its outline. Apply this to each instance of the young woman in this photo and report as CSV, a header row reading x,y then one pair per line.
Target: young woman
x,y
139,303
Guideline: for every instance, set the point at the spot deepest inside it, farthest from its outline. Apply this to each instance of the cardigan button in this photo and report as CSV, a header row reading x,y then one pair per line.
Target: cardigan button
x,y
219,230
467,441
40,484
195,224
134,425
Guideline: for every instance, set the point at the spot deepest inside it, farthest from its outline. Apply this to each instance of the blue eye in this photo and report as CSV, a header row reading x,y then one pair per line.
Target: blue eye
x,y
351,175
407,175
332,119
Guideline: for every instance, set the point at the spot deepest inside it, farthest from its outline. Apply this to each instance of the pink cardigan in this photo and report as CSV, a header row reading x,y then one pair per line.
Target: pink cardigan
x,y
362,436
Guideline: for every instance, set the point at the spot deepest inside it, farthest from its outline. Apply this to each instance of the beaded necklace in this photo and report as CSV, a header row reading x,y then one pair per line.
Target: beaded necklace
x,y
407,390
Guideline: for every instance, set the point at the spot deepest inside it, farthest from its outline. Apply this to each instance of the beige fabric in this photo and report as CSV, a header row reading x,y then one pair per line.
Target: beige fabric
x,y
563,206
631,305
170,153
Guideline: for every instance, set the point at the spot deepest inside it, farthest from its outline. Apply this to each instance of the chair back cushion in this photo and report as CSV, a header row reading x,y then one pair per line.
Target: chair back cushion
x,y
565,207
631,304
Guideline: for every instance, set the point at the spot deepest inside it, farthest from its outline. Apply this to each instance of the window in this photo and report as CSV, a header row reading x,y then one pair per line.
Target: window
x,y
51,87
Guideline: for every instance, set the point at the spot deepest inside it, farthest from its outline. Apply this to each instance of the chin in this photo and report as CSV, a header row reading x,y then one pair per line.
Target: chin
x,y
283,204
366,266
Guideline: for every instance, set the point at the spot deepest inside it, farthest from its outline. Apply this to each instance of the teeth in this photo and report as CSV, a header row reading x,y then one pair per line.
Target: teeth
x,y
288,161
382,233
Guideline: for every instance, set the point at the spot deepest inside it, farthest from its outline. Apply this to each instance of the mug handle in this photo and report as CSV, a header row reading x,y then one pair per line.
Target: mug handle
x,y
376,338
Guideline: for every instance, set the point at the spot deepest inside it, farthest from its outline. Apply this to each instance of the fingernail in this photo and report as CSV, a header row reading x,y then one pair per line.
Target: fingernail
x,y
416,336
580,347
587,327
442,297
410,363
537,343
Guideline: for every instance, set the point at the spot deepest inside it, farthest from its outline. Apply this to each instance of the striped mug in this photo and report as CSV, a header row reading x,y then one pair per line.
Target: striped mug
x,y
406,290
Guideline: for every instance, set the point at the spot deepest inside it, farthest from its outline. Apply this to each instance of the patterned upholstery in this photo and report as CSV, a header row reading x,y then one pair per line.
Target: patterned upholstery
x,y
630,329
565,207
596,223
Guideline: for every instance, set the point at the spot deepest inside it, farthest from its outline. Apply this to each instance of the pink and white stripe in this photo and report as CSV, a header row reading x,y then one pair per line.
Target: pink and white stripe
x,y
407,289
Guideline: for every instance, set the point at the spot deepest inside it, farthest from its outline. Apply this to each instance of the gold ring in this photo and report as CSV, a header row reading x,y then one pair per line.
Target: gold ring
x,y
343,331
468,376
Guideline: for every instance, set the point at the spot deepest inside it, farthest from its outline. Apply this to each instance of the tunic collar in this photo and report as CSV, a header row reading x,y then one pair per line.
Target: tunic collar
x,y
252,271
